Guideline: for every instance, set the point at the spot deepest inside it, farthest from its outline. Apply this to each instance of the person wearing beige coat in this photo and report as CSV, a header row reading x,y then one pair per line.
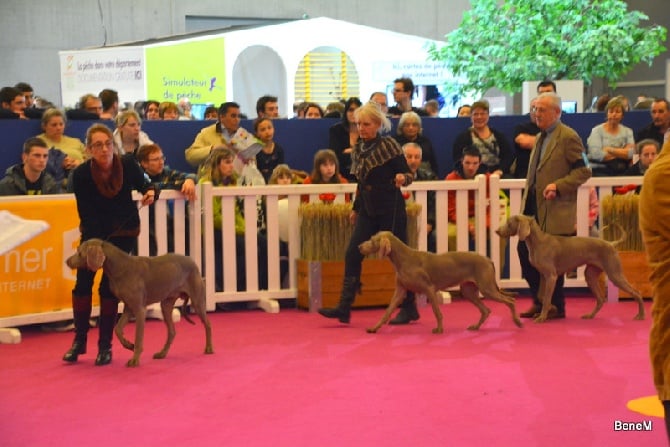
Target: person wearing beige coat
x,y
654,218
215,136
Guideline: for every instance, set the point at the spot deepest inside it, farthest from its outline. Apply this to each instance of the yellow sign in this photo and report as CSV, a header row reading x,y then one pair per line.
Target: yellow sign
x,y
33,275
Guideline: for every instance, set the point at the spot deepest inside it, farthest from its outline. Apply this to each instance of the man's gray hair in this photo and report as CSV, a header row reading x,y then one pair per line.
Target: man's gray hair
x,y
411,145
555,99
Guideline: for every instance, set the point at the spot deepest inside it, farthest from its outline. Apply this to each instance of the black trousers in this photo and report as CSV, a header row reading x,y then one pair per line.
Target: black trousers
x,y
367,226
84,284
530,273
532,277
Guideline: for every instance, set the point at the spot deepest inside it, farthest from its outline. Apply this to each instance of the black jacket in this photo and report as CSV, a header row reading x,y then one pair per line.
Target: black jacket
x,y
505,154
428,159
377,193
650,131
102,217
338,141
522,156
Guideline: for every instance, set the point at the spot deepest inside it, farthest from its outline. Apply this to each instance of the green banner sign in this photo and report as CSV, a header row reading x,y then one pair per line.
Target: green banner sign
x,y
194,69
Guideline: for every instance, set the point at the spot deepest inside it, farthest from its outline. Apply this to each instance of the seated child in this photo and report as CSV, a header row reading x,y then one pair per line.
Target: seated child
x,y
272,153
468,168
326,170
282,175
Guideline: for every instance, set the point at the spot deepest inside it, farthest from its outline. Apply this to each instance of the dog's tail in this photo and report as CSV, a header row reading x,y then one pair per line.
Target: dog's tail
x,y
508,293
623,237
184,309
503,291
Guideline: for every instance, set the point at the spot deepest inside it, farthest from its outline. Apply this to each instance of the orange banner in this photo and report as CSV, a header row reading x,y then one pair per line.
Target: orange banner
x,y
33,275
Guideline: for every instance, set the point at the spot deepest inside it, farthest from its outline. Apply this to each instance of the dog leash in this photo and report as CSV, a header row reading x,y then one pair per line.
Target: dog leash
x,y
395,208
543,224
122,224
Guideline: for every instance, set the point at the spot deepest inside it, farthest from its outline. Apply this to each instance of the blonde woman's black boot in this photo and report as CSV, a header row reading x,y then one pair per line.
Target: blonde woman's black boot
x,y
350,286
408,311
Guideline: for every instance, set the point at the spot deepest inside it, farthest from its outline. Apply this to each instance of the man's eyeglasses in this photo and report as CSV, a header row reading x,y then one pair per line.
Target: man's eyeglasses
x,y
163,158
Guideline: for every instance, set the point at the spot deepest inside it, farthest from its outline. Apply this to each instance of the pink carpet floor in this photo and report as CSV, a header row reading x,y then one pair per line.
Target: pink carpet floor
x,y
297,379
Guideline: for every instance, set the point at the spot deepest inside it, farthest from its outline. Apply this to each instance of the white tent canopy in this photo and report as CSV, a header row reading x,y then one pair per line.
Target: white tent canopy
x,y
244,64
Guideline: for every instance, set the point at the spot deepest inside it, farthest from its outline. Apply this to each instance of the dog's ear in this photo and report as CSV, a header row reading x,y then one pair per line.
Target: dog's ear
x,y
384,247
95,257
523,229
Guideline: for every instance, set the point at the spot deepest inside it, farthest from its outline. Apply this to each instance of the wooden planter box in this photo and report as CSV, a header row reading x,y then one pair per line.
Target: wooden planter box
x,y
622,210
637,271
320,283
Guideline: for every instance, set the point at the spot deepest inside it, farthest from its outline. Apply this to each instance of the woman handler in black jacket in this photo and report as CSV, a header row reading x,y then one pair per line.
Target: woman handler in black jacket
x,y
103,186
379,165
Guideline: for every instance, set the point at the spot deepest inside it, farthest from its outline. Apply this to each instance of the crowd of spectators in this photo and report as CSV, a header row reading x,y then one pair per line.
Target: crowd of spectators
x,y
612,148
226,154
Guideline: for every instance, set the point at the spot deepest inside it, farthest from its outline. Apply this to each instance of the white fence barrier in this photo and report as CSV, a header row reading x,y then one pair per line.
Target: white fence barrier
x,y
194,228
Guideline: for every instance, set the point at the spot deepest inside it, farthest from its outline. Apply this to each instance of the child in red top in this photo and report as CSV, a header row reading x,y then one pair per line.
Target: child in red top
x,y
326,170
468,168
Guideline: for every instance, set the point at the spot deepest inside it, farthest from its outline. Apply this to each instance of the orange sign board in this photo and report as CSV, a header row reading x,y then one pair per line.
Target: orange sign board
x,y
33,275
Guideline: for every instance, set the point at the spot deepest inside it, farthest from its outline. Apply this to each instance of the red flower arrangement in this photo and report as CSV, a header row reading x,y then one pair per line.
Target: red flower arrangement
x,y
625,189
327,197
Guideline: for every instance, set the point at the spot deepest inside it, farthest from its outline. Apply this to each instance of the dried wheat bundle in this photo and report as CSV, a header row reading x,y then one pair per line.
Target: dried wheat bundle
x,y
622,210
325,229
413,213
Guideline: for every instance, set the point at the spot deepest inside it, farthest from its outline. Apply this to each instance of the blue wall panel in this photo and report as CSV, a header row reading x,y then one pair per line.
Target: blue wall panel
x,y
300,138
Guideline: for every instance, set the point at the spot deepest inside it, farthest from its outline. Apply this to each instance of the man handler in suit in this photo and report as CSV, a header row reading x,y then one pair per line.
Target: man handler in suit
x,y
556,170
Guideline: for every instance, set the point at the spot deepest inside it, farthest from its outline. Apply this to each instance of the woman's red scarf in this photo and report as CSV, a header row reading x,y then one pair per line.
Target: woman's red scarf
x,y
111,185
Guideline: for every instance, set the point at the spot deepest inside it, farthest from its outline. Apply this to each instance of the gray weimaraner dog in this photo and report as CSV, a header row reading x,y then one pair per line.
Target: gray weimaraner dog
x,y
556,255
428,273
139,281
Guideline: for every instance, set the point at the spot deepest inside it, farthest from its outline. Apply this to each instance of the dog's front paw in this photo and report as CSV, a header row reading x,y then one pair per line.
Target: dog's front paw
x,y
438,330
133,363
540,319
